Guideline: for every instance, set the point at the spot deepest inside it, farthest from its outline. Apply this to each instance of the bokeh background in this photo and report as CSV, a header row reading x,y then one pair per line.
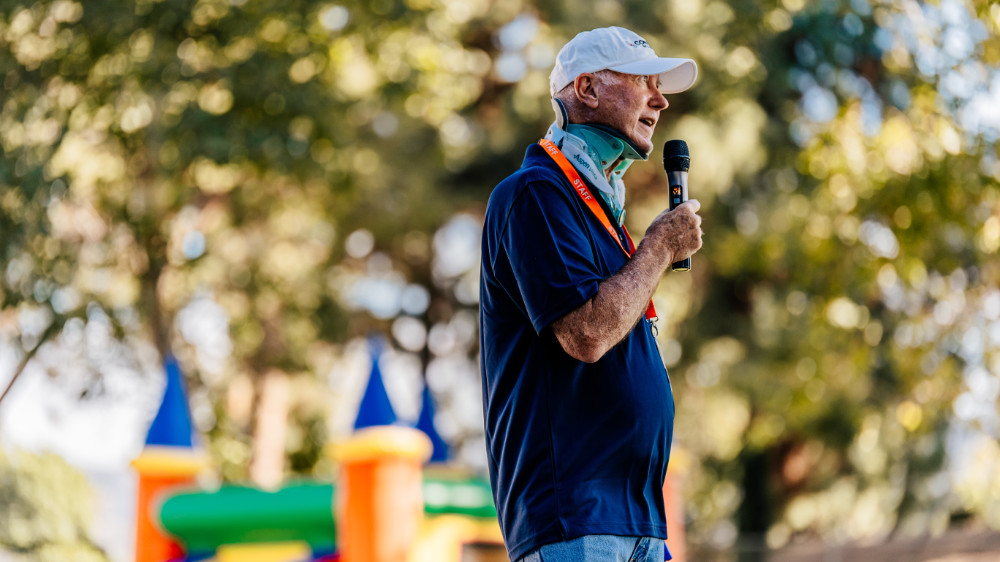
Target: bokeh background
x,y
259,187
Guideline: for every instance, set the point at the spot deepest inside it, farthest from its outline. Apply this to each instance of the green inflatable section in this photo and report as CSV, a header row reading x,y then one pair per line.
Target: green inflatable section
x,y
203,521
471,497
235,514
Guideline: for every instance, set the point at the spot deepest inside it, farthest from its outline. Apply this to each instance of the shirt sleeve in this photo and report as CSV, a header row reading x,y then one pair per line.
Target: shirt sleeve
x,y
550,252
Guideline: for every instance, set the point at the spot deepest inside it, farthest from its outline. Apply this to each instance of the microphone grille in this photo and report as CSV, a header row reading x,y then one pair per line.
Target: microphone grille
x,y
675,156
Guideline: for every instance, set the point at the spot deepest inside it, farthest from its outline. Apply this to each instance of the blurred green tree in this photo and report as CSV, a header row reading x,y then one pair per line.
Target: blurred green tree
x,y
46,507
155,152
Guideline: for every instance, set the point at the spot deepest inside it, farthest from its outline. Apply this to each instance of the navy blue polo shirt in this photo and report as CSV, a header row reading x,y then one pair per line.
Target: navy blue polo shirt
x,y
574,448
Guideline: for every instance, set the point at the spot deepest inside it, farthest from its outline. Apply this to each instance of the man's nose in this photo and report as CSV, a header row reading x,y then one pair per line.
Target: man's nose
x,y
659,101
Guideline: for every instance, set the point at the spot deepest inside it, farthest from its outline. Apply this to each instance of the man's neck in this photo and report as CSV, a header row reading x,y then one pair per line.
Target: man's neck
x,y
611,168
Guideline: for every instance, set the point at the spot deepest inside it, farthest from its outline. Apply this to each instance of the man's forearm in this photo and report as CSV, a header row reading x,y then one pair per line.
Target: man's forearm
x,y
588,332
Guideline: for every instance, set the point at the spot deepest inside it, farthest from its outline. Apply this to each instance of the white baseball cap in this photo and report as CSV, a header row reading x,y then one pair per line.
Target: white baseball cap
x,y
618,49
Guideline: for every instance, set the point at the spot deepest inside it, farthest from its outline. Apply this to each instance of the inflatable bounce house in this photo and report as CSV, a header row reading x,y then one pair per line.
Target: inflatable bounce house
x,y
387,505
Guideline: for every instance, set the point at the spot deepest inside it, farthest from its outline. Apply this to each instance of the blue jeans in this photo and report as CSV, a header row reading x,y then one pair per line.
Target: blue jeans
x,y
600,548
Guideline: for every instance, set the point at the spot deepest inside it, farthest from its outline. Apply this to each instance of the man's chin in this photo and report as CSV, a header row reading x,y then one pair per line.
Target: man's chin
x,y
646,145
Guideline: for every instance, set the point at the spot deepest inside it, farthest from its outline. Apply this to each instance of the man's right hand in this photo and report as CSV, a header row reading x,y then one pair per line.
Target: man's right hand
x,y
676,233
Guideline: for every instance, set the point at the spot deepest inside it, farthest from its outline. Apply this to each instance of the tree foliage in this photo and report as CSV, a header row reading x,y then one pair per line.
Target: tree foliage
x,y
303,174
46,508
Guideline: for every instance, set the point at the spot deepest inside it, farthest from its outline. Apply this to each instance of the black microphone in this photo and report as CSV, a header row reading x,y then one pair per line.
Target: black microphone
x,y
676,162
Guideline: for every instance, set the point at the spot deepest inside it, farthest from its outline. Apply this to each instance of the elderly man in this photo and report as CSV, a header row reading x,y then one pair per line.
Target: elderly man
x,y
578,407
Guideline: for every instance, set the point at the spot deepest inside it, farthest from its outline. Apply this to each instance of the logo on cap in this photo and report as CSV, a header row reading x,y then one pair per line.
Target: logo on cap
x,y
639,43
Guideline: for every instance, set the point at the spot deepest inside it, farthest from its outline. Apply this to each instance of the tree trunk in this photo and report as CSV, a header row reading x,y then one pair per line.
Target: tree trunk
x,y
267,464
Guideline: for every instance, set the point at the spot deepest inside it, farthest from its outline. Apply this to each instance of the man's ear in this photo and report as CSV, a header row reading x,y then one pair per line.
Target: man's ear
x,y
585,87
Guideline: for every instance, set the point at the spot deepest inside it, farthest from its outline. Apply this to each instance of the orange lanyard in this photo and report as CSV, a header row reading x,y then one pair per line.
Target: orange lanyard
x,y
594,206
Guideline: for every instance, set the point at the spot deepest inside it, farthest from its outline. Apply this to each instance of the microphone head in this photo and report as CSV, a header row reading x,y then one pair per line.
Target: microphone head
x,y
675,156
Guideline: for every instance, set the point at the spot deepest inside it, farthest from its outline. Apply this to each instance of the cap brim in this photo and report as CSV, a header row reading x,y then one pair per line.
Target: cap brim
x,y
676,75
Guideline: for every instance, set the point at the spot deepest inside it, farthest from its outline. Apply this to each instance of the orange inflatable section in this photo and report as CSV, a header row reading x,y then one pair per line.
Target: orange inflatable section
x,y
380,499
673,499
160,469
151,544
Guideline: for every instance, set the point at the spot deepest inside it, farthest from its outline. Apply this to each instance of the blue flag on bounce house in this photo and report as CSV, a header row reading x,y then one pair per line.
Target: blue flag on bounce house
x,y
375,408
426,424
172,425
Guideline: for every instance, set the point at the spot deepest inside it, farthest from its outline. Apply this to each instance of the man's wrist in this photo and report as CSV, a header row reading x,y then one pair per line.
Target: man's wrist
x,y
661,252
